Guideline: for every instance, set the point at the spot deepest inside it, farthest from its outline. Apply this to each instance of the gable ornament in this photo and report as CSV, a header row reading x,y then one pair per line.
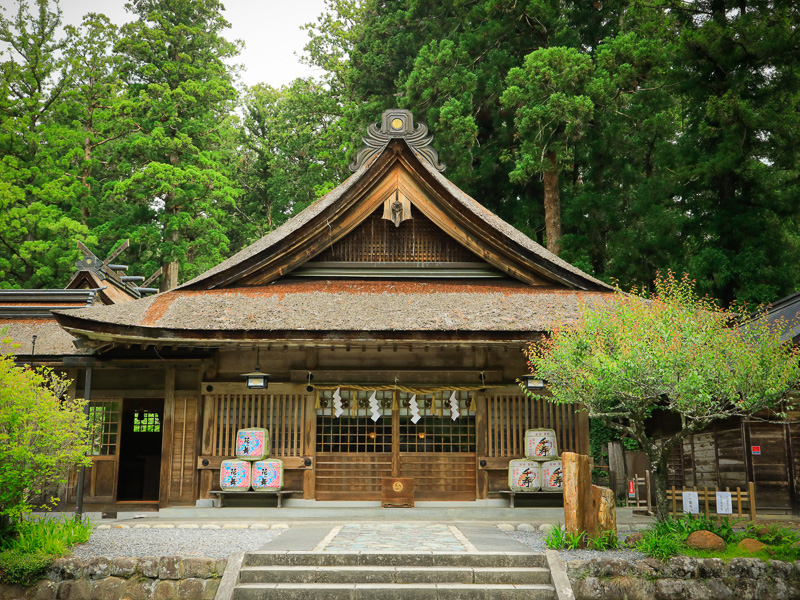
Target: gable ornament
x,y
397,123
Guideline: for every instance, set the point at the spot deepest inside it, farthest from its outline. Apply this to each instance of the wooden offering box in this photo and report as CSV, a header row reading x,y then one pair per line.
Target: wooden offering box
x,y
397,492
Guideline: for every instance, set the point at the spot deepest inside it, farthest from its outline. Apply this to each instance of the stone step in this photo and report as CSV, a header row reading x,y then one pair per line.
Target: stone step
x,y
395,559
381,591
393,574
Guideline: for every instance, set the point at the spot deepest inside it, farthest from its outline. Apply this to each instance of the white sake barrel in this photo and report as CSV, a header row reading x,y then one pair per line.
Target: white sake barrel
x,y
268,475
552,476
524,475
252,444
234,476
540,444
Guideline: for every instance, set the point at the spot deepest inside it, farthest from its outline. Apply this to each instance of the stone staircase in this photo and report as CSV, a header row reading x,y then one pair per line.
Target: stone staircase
x,y
394,576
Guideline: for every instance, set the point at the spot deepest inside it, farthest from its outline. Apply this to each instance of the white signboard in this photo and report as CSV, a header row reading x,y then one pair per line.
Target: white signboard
x,y
724,503
691,503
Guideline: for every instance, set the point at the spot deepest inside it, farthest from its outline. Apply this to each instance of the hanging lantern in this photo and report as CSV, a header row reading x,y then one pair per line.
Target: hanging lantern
x,y
257,380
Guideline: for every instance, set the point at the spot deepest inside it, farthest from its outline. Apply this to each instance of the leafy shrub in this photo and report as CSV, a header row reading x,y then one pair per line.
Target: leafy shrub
x,y
19,568
604,541
661,544
556,538
28,551
47,536
42,435
574,541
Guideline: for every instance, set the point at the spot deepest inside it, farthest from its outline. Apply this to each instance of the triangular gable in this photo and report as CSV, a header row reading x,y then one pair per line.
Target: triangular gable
x,y
395,172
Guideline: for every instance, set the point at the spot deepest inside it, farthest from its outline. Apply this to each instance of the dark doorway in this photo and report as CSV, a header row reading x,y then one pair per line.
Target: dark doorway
x,y
140,450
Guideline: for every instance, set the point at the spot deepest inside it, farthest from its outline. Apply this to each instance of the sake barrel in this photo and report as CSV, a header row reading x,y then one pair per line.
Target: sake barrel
x,y
552,476
524,475
234,476
540,444
268,475
252,444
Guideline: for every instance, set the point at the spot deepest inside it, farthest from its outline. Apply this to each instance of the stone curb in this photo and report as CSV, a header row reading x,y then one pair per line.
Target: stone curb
x,y
230,577
558,576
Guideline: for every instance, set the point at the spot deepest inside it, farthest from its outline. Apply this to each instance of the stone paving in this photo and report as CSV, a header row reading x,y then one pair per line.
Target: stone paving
x,y
395,537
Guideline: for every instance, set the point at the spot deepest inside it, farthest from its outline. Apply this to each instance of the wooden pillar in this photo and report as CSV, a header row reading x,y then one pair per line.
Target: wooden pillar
x,y
310,446
616,467
582,430
481,444
577,491
166,436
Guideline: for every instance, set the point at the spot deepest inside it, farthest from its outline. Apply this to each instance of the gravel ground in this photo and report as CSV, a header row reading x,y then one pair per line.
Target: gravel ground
x,y
536,541
114,543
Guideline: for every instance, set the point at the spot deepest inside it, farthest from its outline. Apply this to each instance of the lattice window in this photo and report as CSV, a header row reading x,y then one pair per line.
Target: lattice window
x,y
104,427
355,432
281,414
146,421
511,416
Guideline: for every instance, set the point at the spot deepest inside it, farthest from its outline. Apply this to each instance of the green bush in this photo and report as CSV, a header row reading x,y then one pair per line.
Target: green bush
x,y
47,536
556,538
23,569
659,544
42,435
28,550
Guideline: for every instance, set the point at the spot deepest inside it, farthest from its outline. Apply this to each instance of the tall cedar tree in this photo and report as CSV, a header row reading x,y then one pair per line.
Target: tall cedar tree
x,y
39,223
182,97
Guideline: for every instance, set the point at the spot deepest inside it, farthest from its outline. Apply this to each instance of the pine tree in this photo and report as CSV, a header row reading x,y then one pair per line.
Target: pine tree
x,y
182,96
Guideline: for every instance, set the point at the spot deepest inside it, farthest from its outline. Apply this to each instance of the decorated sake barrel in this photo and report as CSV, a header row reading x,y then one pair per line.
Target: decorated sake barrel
x,y
252,444
268,475
552,476
524,475
540,444
234,476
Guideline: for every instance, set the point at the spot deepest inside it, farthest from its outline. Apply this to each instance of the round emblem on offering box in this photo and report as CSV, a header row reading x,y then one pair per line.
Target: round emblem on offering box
x,y
397,123
397,486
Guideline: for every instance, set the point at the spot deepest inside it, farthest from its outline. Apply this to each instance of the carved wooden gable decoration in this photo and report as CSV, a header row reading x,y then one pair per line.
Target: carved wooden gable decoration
x,y
396,217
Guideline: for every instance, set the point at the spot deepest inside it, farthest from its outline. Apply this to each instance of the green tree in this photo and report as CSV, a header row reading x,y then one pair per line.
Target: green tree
x,y
673,351
294,149
38,223
42,435
552,108
177,186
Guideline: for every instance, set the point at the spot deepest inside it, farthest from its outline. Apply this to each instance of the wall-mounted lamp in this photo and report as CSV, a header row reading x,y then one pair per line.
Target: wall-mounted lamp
x,y
309,387
532,383
257,380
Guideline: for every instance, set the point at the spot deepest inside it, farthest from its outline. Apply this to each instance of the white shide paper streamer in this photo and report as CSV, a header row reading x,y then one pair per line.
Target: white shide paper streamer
x,y
412,404
337,403
454,414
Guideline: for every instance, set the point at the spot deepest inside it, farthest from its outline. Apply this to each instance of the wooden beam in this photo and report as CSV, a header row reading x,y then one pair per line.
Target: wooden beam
x,y
404,376
166,437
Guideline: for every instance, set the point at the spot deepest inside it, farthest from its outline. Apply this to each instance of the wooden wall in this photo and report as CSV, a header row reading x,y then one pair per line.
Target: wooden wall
x,y
722,458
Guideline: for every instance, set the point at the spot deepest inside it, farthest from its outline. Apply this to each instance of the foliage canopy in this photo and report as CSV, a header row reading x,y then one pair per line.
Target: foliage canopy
x,y
43,435
669,353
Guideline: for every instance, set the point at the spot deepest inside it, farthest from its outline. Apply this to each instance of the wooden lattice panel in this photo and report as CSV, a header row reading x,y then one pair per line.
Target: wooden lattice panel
x,y
343,476
510,415
282,414
378,240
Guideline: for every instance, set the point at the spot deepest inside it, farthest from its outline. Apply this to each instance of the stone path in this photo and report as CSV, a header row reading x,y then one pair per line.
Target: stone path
x,y
395,537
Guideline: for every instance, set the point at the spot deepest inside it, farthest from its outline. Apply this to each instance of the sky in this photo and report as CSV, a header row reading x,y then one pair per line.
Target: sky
x,y
270,30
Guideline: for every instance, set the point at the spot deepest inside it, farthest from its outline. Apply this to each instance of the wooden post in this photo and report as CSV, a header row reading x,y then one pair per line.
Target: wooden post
x,y
577,491
582,431
166,437
482,446
616,467
674,503
705,493
739,500
648,491
751,489
310,446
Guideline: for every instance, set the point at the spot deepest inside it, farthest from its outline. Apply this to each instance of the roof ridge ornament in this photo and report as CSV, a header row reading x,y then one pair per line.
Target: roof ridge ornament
x,y
397,123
